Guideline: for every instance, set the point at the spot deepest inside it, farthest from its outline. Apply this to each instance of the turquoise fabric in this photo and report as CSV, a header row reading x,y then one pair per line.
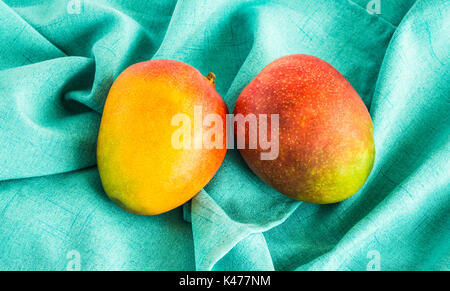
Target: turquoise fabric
x,y
57,63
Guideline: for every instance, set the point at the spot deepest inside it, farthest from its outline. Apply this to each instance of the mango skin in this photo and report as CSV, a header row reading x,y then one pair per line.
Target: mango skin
x,y
326,145
139,168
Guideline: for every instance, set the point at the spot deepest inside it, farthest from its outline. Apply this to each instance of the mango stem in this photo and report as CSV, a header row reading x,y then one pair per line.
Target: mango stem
x,y
211,78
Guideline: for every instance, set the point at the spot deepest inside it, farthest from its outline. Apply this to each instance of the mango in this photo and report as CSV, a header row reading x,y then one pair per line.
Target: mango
x,y
326,146
140,166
